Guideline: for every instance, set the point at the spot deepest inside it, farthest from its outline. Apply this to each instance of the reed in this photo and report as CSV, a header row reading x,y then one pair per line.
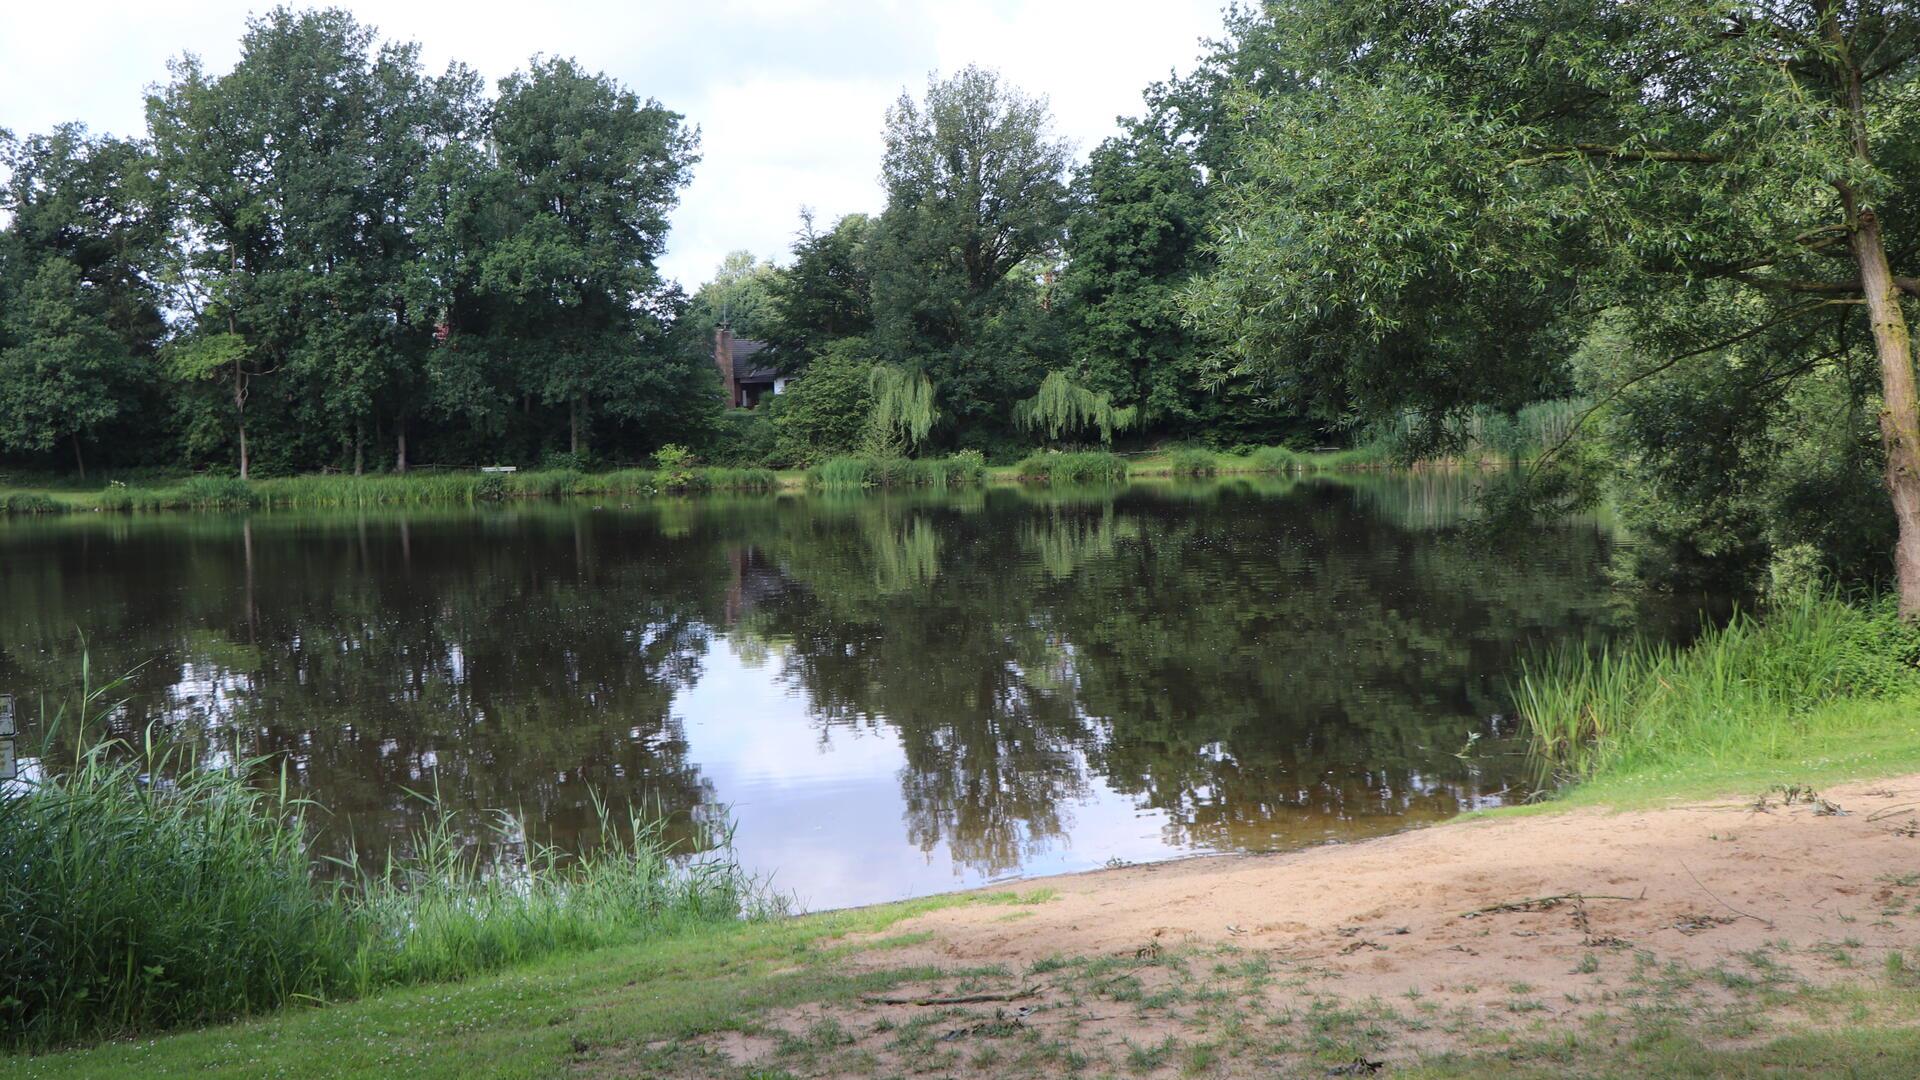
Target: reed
x,y
1084,467
857,471
145,892
1193,461
1737,692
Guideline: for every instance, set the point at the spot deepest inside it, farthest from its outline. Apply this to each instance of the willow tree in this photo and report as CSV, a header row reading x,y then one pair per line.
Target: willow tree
x,y
1062,406
1447,192
903,408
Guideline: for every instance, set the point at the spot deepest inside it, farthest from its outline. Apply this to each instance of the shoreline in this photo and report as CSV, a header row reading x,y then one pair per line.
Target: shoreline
x,y
1697,936
465,486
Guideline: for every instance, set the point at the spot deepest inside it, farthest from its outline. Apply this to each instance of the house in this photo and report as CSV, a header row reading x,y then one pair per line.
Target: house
x,y
748,380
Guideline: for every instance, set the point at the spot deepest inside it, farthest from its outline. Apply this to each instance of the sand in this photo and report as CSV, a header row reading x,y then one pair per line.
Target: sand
x,y
1447,938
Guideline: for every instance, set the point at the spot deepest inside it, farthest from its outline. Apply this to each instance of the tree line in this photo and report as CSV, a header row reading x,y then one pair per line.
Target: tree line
x,y
1695,217
328,254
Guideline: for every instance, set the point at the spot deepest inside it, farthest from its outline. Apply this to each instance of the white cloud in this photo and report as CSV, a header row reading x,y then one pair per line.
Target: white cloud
x,y
789,94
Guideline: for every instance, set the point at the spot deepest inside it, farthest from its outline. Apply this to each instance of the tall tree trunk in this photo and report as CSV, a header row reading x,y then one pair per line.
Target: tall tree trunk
x,y
79,461
1892,345
1899,404
240,411
359,449
400,450
573,426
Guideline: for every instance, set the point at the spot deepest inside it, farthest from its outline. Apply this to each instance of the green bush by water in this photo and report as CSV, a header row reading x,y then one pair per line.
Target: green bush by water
x,y
27,502
1192,461
143,892
1731,695
856,471
1084,467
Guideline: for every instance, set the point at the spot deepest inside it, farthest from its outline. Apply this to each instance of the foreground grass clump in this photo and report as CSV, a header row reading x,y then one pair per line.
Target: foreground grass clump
x,y
852,472
1083,467
1738,694
144,892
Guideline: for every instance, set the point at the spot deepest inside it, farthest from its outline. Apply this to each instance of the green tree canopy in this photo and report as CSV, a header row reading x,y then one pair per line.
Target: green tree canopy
x,y
1437,199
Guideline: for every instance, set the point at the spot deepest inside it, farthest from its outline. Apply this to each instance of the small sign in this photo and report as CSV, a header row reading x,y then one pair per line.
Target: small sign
x,y
7,767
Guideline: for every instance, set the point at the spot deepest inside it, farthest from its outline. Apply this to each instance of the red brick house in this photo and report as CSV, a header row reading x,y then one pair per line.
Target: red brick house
x,y
747,379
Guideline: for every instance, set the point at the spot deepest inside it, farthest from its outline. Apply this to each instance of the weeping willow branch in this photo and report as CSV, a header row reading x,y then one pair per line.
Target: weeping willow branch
x,y
903,407
1063,405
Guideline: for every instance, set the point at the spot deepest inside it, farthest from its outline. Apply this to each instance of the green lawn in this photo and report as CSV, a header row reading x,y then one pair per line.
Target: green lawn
x,y
534,1020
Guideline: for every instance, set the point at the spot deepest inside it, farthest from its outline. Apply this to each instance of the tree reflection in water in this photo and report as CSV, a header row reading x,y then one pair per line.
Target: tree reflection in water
x,y
1250,665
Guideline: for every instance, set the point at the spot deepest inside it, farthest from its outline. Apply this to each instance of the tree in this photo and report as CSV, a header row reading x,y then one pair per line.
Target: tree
x,y
829,411
976,200
740,295
1435,205
298,170
1063,406
66,373
590,172
826,295
95,202
1134,242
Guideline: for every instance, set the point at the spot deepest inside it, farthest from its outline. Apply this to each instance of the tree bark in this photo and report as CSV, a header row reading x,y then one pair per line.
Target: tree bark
x,y
1892,344
573,426
400,450
359,450
240,411
1899,405
79,461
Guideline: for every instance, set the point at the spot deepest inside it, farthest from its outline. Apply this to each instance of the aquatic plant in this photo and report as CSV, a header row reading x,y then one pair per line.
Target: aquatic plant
x,y
1192,461
145,891
855,471
1084,467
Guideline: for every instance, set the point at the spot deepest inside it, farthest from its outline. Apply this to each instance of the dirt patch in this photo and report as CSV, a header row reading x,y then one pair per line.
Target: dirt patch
x,y
1467,936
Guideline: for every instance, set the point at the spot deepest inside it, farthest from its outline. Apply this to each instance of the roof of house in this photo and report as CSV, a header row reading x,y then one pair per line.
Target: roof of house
x,y
746,368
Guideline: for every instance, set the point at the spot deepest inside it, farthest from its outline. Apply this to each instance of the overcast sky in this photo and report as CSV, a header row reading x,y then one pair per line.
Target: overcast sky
x,y
788,94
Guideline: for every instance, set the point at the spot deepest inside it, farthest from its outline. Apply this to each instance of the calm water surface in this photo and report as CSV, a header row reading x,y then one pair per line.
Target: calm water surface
x,y
890,696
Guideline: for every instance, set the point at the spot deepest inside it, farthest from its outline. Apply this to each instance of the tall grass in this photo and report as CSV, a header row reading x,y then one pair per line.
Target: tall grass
x,y
144,892
1734,692
856,471
1084,467
28,502
1193,461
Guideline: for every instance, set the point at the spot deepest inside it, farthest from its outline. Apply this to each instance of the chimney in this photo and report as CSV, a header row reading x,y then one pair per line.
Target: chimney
x,y
723,359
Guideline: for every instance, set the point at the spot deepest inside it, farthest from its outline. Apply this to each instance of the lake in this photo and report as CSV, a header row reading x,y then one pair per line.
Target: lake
x,y
887,695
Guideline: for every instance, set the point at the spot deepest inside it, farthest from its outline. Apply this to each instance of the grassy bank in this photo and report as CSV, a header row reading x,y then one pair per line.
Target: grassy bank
x,y
1814,688
145,892
409,489
847,473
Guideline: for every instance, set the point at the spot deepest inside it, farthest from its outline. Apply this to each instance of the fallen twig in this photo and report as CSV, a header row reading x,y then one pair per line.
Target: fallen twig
x,y
1768,923
1540,903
